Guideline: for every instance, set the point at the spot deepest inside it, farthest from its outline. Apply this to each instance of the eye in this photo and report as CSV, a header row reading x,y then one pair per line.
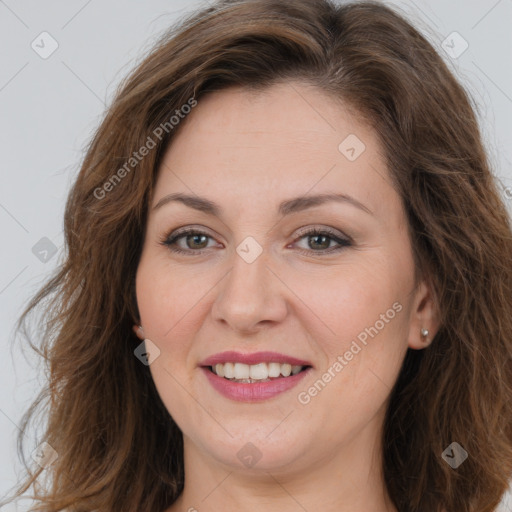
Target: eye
x,y
193,239
320,240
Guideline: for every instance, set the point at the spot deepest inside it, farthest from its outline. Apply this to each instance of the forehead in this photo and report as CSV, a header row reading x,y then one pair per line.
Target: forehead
x,y
268,145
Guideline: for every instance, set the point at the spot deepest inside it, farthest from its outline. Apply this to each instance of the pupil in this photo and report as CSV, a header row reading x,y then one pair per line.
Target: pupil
x,y
195,237
325,238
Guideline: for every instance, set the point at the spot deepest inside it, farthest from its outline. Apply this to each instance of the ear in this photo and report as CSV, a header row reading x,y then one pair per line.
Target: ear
x,y
137,329
424,315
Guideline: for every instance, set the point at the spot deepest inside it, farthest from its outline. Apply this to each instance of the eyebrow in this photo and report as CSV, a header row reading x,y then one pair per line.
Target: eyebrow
x,y
287,207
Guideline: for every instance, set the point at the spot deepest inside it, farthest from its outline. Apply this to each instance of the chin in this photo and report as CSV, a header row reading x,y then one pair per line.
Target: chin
x,y
255,449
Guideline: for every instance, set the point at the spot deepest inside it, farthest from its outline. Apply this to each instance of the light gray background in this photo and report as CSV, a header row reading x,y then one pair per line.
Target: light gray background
x,y
50,108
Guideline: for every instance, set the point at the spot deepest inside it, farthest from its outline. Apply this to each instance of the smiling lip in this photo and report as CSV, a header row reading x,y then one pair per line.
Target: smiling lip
x,y
254,358
256,391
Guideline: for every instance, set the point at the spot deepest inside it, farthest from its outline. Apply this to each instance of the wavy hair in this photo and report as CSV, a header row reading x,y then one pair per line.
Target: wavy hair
x,y
118,448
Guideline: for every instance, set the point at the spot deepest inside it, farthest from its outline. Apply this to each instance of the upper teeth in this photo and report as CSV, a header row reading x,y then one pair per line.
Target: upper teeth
x,y
260,371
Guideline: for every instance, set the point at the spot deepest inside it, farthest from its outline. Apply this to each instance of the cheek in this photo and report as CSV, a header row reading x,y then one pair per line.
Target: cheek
x,y
168,303
168,297
346,300
363,333
173,304
363,353
156,305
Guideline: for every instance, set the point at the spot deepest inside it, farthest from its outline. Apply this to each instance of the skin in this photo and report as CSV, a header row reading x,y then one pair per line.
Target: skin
x,y
248,152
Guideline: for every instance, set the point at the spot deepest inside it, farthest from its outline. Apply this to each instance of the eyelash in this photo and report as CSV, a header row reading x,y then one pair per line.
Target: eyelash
x,y
170,241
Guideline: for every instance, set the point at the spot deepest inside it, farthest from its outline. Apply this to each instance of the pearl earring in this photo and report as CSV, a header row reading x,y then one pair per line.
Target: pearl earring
x,y
424,332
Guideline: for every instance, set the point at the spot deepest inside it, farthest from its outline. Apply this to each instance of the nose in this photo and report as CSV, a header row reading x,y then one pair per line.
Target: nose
x,y
250,297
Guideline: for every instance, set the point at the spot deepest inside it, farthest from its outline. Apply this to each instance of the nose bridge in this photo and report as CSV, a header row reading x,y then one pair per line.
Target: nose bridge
x,y
249,294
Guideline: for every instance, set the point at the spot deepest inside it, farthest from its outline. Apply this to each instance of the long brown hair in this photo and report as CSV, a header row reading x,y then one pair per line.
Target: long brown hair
x,y
118,448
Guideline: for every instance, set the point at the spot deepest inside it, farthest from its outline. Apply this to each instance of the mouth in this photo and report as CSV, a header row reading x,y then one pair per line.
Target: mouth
x,y
254,373
253,377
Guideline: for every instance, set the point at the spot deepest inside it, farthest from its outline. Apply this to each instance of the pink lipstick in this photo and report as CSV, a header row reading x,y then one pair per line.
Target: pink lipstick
x,y
253,377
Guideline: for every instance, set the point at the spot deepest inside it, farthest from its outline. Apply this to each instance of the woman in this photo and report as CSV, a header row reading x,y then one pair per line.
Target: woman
x,y
289,279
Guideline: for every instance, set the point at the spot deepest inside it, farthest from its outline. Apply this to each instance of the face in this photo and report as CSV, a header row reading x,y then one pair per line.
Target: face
x,y
326,286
